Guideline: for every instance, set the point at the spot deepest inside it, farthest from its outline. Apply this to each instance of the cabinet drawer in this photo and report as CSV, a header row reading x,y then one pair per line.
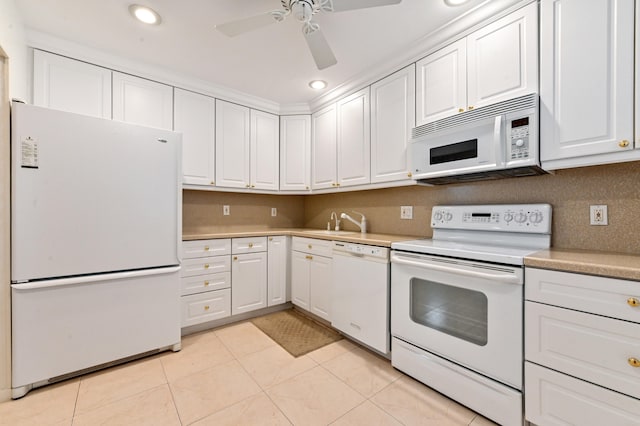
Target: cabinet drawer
x,y
313,246
594,348
206,248
205,265
203,307
598,295
202,283
556,399
248,245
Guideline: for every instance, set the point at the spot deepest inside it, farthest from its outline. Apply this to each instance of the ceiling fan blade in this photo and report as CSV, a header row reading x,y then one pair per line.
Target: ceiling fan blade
x,y
241,26
320,49
342,5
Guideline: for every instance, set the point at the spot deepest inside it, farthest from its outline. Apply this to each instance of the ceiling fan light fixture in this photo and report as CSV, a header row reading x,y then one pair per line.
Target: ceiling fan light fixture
x,y
318,84
145,14
454,2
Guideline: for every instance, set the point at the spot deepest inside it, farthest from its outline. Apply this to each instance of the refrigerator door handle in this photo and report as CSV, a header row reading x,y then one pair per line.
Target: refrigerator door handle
x,y
94,278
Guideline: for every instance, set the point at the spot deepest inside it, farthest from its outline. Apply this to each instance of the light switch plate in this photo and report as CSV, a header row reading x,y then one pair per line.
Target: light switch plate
x,y
406,212
598,214
225,210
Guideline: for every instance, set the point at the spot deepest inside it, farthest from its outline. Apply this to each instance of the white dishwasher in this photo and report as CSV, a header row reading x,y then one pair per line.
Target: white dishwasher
x,y
360,293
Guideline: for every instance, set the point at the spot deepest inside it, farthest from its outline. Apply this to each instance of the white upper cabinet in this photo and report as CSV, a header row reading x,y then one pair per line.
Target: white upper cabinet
x,y
264,151
140,101
295,153
194,117
392,118
232,145
323,148
586,82
69,85
493,64
442,83
353,139
502,59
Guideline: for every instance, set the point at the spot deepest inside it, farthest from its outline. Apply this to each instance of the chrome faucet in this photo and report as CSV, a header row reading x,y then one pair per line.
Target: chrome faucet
x,y
334,215
362,224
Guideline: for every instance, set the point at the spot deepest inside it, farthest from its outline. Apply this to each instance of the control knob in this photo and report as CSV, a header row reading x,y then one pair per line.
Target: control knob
x,y
519,143
437,215
448,216
536,217
508,217
520,217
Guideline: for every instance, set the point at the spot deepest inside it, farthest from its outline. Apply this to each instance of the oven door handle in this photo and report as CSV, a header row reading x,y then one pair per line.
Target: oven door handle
x,y
425,264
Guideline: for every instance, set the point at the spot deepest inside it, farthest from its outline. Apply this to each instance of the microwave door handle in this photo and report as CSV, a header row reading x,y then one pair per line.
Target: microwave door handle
x,y
498,137
503,278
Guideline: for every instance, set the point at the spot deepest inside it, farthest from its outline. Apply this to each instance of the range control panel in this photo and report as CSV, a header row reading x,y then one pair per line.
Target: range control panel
x,y
530,218
361,249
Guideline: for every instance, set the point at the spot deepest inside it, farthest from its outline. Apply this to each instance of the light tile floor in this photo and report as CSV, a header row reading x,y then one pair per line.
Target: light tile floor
x,y
236,375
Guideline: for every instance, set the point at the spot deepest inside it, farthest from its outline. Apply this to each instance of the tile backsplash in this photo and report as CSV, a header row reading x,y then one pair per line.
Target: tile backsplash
x,y
569,191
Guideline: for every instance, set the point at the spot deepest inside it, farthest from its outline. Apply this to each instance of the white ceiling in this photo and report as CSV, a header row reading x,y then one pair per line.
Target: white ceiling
x,y
272,62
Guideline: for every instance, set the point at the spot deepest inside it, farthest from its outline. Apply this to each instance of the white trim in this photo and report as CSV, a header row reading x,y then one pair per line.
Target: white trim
x,y
592,160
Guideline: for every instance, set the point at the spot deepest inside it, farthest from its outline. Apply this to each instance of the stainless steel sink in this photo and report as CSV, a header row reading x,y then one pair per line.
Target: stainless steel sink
x,y
328,232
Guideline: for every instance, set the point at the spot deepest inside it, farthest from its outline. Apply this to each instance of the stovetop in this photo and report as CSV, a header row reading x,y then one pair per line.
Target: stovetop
x,y
498,233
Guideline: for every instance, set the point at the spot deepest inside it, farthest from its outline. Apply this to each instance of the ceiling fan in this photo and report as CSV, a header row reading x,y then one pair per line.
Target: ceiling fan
x,y
303,11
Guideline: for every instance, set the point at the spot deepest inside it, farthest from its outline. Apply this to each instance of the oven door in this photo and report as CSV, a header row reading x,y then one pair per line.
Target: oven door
x,y
465,311
470,148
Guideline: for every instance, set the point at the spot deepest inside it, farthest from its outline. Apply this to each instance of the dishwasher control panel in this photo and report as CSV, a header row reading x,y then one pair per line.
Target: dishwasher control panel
x,y
361,249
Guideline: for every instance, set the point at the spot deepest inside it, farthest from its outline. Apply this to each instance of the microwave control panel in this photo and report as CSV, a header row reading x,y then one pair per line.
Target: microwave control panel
x,y
519,137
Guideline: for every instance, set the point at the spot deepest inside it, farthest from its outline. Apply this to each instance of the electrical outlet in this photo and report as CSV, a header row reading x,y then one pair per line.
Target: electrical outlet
x,y
598,214
406,212
225,210
274,211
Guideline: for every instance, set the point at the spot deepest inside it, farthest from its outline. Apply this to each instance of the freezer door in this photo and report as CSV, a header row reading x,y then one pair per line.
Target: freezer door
x,y
91,195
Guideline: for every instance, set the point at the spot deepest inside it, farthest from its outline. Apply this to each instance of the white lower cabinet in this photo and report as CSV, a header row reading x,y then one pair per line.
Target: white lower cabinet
x,y
582,349
278,283
248,274
206,281
311,275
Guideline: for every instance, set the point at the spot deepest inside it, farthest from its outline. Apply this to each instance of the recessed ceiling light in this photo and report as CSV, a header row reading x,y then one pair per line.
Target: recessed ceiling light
x,y
144,14
455,2
317,84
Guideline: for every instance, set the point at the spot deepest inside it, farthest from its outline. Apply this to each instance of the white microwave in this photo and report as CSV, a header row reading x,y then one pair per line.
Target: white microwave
x,y
492,142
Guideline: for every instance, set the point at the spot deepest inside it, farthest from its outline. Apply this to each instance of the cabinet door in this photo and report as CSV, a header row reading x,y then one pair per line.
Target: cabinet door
x,y
441,83
68,85
295,153
248,282
354,139
232,145
586,80
278,286
320,276
141,101
265,150
323,148
392,118
300,279
502,58
195,117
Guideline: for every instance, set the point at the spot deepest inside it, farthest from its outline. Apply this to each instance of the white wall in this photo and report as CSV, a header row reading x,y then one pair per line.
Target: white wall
x,y
13,42
14,83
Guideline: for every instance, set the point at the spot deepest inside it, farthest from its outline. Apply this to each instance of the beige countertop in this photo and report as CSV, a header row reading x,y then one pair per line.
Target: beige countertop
x,y
607,264
384,240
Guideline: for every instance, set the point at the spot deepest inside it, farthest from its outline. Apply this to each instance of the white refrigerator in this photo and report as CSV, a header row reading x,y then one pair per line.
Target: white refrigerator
x,y
96,224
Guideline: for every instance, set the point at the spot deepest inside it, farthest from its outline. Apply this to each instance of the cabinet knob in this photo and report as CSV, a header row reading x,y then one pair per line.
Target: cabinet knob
x,y
250,245
206,248
337,184
213,183
248,186
307,187
310,246
634,362
206,307
270,238
206,283
470,107
253,186
235,257
460,109
623,143
409,174
308,257
633,302
206,266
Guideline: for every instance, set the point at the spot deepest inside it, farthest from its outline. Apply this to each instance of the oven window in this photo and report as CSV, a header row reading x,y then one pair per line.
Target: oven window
x,y
456,311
